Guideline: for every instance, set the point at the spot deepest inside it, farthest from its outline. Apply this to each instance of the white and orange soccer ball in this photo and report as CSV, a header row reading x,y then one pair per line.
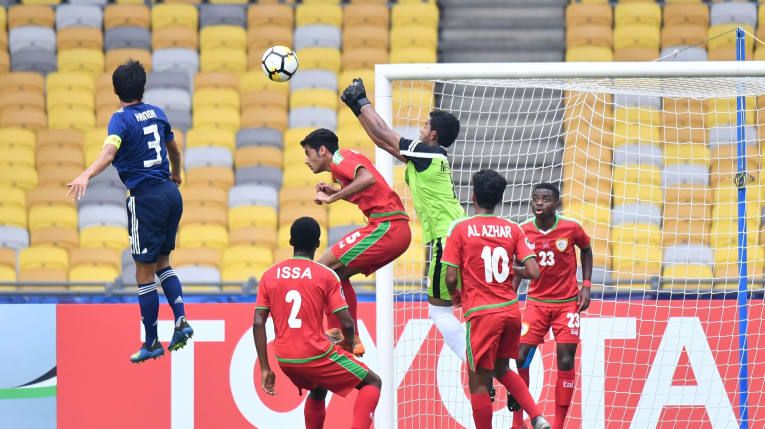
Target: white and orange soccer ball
x,y
279,63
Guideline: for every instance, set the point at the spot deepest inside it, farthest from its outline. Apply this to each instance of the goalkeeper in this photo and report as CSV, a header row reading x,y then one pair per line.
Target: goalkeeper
x,y
430,181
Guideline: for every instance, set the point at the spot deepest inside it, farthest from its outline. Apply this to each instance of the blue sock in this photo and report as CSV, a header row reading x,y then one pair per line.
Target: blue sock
x,y
148,299
171,284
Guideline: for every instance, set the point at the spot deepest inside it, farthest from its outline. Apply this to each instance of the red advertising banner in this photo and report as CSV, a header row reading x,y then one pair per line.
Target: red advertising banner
x,y
644,364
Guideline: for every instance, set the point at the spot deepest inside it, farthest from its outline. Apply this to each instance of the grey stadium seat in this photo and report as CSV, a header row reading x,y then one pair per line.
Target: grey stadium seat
x,y
196,274
91,2
71,15
635,213
168,80
222,14
171,98
727,134
632,100
103,195
599,275
41,61
13,237
307,36
689,254
259,137
127,37
208,157
685,174
106,215
179,119
683,53
338,232
108,178
645,154
253,195
314,79
174,59
313,117
733,13
31,38
269,176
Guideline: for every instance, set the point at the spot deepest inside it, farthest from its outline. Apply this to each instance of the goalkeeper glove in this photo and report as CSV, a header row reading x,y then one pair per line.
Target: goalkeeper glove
x,y
355,96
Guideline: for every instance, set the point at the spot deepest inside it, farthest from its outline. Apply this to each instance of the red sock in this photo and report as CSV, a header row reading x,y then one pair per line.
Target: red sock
x,y
350,299
314,414
564,391
482,411
518,415
364,407
516,386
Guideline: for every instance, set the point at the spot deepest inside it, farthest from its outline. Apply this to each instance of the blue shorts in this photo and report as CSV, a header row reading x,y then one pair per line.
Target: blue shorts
x,y
154,212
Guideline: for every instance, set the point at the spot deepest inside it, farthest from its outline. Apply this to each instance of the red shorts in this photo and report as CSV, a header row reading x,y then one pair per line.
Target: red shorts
x,y
539,317
338,371
374,246
493,336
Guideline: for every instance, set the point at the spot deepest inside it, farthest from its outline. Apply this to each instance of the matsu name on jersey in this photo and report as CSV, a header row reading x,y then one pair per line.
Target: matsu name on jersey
x,y
491,231
145,115
287,272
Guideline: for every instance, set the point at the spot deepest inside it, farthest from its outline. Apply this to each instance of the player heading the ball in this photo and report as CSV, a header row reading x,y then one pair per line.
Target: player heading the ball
x,y
365,250
481,249
296,293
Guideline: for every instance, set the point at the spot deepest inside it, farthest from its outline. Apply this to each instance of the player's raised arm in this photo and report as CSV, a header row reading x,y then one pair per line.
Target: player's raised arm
x,y
78,186
267,377
364,179
355,96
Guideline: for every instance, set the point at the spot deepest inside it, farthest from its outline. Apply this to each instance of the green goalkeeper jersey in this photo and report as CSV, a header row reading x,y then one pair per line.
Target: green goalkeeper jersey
x,y
430,181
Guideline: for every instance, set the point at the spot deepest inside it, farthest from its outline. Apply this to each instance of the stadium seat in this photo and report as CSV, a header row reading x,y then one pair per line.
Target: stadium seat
x,y
13,215
637,262
324,98
687,273
308,14
208,136
127,38
23,81
252,156
259,137
289,213
175,37
222,15
31,38
7,268
208,157
264,117
413,55
247,257
369,15
683,35
59,176
284,237
261,38
208,236
589,35
676,232
75,117
176,60
425,14
216,80
217,117
363,58
126,15
93,265
721,40
578,14
81,60
79,37
254,236
219,177
210,215
637,13
313,117
267,98
320,58
733,12
343,213
112,237
364,36
636,36
203,196
223,98
52,216
174,15
196,257
102,215
12,197
43,264
117,57
224,59
686,13
222,36
636,213
78,15
22,15
589,54
251,216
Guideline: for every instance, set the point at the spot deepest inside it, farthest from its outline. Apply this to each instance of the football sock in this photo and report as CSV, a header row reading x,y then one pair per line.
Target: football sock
x,y
364,407
516,387
450,327
482,411
148,300
314,414
518,415
171,285
564,391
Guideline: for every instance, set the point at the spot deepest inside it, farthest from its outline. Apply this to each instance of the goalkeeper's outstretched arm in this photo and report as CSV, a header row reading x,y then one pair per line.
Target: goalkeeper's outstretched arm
x,y
355,96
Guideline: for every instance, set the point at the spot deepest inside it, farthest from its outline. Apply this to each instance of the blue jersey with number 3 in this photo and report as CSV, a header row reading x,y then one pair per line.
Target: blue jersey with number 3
x,y
140,132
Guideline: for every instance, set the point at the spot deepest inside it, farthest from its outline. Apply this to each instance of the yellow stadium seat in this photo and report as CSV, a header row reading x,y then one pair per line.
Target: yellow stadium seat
x,y
261,38
111,237
217,117
12,197
722,111
216,80
406,36
320,58
310,14
590,35
66,238
280,15
20,177
228,1
72,81
242,273
81,60
295,195
635,233
47,196
683,272
363,58
247,256
370,15
365,36
639,174
222,36
13,216
69,99
196,256
294,177
284,236
722,38
635,261
94,265
3,18
207,216
7,267
20,117
175,37
219,177
637,13
626,133
344,213
224,59
32,15
257,81
17,137
5,62
252,156
636,36
52,216
588,14
677,13
43,263
251,216
202,196
209,136
592,53
17,156
214,236
413,55
314,97
265,98
686,153
254,236
22,100
676,232
79,37
289,213
726,262
724,233
683,35
425,14
223,98
126,15
117,57
174,15
589,212
266,117
76,117
635,114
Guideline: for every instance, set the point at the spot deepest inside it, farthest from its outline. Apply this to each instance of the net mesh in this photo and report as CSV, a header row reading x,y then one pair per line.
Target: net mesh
x,y
648,167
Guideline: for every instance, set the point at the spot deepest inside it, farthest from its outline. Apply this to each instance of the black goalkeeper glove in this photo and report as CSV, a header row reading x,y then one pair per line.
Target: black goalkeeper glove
x,y
355,96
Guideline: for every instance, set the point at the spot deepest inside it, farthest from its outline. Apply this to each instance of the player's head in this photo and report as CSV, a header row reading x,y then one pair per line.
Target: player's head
x,y
545,199
442,128
304,235
319,146
129,80
488,189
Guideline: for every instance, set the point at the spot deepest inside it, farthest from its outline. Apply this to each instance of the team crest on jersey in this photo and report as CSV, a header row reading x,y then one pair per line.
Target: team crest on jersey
x,y
524,328
530,244
561,244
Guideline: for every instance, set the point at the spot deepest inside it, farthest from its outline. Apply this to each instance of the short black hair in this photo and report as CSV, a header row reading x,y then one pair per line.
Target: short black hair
x,y
548,186
305,234
446,125
488,188
321,137
129,80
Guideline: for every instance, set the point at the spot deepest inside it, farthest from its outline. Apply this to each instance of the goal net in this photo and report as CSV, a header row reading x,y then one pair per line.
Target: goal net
x,y
647,160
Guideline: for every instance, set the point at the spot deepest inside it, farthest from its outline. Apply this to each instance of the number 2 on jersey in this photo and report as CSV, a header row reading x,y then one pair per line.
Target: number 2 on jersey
x,y
153,144
546,258
496,264
294,297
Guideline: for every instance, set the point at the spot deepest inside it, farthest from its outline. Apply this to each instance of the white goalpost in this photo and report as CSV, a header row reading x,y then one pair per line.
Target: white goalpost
x,y
661,163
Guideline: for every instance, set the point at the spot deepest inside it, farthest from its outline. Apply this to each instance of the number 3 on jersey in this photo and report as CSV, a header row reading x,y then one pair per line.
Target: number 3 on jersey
x,y
496,264
294,297
546,258
153,144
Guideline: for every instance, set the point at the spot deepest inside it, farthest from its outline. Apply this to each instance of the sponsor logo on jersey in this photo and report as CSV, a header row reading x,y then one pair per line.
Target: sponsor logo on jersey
x,y
530,244
561,244
524,328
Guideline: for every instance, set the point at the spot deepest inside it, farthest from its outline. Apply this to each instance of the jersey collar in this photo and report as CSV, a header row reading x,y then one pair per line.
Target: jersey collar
x,y
555,225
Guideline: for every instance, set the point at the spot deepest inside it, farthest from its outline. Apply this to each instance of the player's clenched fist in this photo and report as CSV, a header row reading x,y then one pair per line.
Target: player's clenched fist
x,y
267,380
355,96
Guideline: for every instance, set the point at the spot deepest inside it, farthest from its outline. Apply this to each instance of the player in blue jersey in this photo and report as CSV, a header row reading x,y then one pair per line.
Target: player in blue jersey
x,y
141,146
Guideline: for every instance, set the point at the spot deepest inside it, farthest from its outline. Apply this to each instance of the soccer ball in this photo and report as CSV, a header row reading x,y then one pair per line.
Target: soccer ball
x,y
279,63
